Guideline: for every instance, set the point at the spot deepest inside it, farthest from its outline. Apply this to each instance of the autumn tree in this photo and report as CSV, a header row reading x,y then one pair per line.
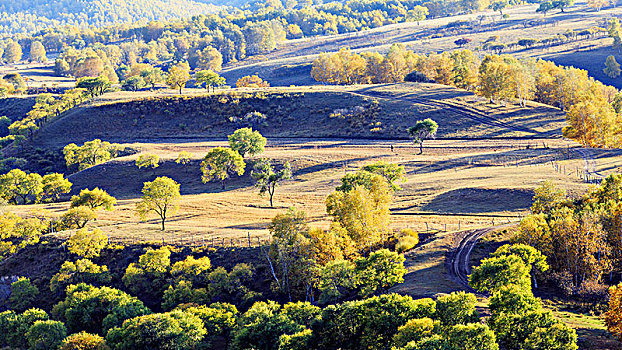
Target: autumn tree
x,y
209,59
152,76
267,179
246,141
18,186
613,317
90,153
94,85
94,199
220,163
178,76
391,172
37,52
496,79
597,4
12,52
612,67
87,244
362,213
417,14
251,81
184,158
160,196
423,130
148,160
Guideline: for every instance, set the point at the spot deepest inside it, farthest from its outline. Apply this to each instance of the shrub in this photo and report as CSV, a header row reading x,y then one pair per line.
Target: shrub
x,y
473,336
171,330
456,308
94,199
150,273
414,329
191,269
183,293
96,310
408,240
14,326
87,244
84,341
44,335
82,271
23,294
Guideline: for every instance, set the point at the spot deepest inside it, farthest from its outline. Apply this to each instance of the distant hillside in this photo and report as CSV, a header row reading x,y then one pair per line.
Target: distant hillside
x,y
28,16
380,111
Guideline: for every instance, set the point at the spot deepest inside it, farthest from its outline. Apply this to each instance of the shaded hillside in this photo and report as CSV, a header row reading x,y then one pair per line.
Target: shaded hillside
x,y
380,111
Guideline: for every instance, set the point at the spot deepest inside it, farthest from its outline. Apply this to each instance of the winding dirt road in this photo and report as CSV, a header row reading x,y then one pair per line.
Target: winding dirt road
x,y
458,259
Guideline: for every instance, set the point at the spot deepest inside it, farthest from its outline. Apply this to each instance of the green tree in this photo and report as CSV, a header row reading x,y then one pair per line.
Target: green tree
x,y
613,316
44,335
160,196
545,7
87,244
82,271
210,79
133,83
77,217
13,327
612,67
94,199
37,52
391,172
473,336
423,130
246,141
562,4
94,85
267,179
499,6
152,76
533,258
23,294
494,273
90,153
170,330
219,163
261,327
55,185
456,308
96,310
17,185
84,341
380,271
178,76
150,274
414,329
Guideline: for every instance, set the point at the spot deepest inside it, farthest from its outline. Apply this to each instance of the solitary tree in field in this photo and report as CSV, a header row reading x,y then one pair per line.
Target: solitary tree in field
x,y
499,6
612,67
54,185
267,179
94,199
178,76
210,79
423,130
220,163
160,196
418,14
246,141
37,52
545,7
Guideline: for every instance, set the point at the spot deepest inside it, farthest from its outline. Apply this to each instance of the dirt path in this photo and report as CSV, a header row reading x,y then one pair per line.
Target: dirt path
x,y
458,259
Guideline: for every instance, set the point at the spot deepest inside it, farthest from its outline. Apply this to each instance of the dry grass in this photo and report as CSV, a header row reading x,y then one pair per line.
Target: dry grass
x,y
454,184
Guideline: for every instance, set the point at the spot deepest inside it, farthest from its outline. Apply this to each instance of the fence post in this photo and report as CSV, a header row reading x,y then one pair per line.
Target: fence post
x,y
426,227
458,225
249,239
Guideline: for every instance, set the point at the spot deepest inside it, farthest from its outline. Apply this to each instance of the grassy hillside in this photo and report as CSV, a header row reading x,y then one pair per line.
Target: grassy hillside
x,y
382,112
291,63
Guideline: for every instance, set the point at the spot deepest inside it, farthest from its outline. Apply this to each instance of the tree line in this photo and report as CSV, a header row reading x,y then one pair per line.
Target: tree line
x,y
592,108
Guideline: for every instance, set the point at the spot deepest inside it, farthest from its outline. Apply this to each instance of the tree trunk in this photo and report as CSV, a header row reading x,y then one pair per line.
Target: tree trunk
x,y
421,147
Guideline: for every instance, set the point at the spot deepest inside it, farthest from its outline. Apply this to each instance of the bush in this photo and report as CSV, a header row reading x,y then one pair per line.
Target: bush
x,y
456,308
87,244
23,294
82,271
96,310
191,269
84,341
150,273
408,240
414,329
171,330
14,326
44,335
